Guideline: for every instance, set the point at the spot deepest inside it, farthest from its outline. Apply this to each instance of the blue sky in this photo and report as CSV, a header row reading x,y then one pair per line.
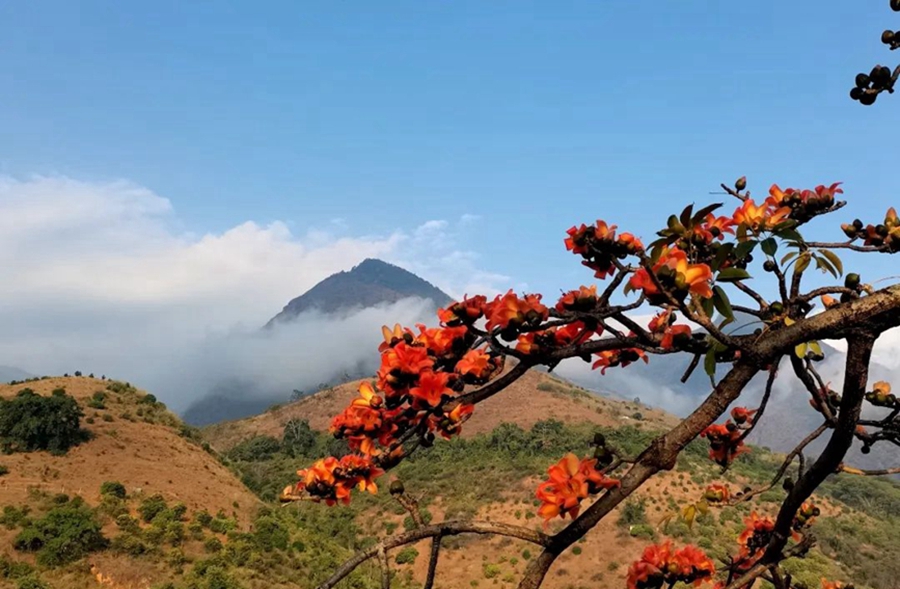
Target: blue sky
x,y
533,115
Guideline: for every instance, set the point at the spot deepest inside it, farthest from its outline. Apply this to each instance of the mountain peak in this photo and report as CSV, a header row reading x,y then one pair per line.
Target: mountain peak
x,y
370,283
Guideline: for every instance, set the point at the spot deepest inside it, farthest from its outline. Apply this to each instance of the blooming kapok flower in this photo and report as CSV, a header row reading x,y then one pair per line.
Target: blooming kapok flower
x,y
392,337
758,218
450,424
675,272
475,363
363,421
510,311
431,387
659,565
599,246
612,358
331,480
570,481
742,415
715,227
716,493
442,341
725,443
465,312
826,584
401,365
582,299
754,539
675,333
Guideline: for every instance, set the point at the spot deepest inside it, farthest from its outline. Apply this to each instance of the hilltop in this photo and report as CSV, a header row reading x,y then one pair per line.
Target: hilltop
x,y
133,440
369,284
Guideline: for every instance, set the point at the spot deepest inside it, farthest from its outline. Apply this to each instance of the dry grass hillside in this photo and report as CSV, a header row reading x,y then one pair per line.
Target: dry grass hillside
x,y
534,397
132,443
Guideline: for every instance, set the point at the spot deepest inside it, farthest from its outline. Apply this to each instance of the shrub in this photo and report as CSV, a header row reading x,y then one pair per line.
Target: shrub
x,y
633,513
298,438
213,545
407,556
255,449
65,534
113,489
30,422
31,582
151,507
3,470
12,516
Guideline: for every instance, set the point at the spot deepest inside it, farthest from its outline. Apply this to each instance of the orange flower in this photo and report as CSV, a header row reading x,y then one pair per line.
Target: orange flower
x,y
631,243
675,333
441,341
475,363
760,218
675,272
755,537
832,584
432,386
742,415
715,227
725,443
394,336
659,566
561,495
451,423
612,358
509,311
716,493
828,302
401,365
582,299
362,470
570,481
466,312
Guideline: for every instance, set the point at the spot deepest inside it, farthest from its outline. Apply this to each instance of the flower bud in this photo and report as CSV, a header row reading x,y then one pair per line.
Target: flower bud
x,y
741,183
397,487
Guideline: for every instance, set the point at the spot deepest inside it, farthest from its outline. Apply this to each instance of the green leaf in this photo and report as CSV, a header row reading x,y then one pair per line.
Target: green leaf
x,y
825,266
834,259
802,262
703,506
769,246
721,255
732,275
790,235
701,214
723,305
744,248
788,257
708,306
709,363
686,215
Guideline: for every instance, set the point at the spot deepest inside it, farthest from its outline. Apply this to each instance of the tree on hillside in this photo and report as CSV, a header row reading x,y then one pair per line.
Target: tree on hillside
x,y
867,87
30,422
696,275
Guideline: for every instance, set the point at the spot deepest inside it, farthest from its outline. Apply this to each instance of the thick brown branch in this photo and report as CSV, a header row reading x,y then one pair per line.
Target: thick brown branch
x,y
855,379
433,561
660,455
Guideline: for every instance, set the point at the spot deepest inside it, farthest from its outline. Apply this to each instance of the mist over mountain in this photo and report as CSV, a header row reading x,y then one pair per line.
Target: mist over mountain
x,y
326,336
8,373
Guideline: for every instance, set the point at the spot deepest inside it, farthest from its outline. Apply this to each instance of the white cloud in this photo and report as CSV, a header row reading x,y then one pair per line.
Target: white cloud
x,y
102,277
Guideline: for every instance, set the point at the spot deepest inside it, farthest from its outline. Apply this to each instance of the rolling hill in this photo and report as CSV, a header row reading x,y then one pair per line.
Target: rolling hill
x,y
543,396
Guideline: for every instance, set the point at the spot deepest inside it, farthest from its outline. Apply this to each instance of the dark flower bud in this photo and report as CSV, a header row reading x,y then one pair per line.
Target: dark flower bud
x,y
852,280
397,487
887,37
741,183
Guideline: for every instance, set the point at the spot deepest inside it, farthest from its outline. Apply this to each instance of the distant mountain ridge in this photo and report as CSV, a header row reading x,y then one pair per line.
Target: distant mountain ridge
x,y
370,283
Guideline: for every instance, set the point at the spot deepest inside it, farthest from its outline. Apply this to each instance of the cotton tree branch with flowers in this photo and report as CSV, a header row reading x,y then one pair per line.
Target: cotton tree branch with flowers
x,y
431,379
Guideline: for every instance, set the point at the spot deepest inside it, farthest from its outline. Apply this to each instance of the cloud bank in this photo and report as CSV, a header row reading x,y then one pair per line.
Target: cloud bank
x,y
103,278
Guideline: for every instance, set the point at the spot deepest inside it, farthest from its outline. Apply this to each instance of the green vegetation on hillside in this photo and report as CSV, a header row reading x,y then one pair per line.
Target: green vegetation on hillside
x,y
30,422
